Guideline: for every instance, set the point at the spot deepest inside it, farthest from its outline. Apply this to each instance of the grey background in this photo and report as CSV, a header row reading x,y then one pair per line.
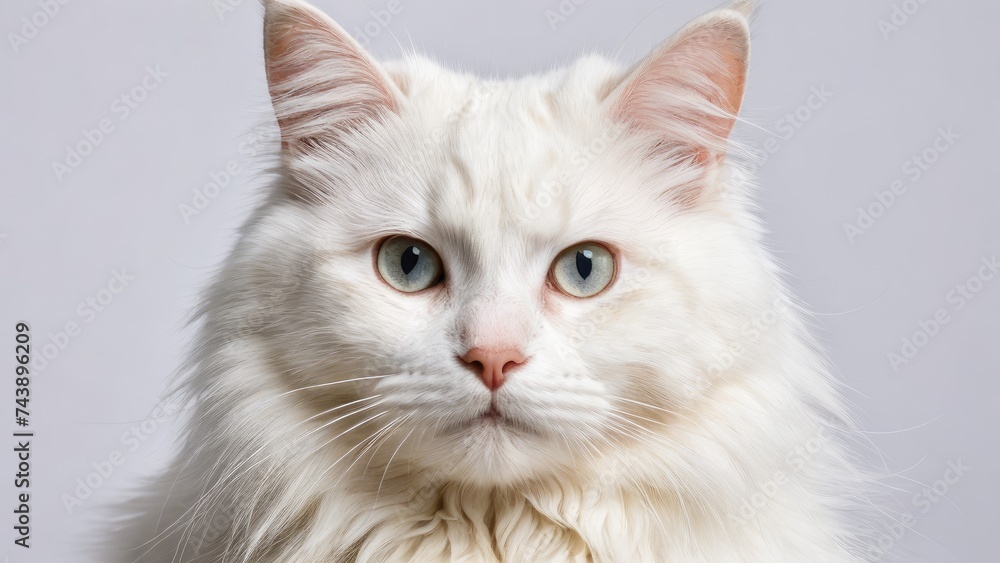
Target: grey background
x,y
62,240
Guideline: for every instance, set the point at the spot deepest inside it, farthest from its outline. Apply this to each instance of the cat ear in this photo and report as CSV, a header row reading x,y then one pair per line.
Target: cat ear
x,y
689,90
320,79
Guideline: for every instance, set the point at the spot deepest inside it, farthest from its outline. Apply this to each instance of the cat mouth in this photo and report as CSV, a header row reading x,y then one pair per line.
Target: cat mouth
x,y
494,418
492,415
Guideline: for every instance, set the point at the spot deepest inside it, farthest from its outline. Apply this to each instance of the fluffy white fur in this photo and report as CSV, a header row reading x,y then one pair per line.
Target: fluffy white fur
x,y
683,415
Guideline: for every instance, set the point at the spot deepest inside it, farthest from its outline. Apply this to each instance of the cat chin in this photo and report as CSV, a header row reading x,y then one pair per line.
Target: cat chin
x,y
491,454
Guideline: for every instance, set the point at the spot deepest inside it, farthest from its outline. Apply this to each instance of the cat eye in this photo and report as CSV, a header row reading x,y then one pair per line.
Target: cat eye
x,y
583,270
408,264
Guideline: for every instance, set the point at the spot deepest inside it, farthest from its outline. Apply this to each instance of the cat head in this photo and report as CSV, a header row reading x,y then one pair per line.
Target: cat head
x,y
497,280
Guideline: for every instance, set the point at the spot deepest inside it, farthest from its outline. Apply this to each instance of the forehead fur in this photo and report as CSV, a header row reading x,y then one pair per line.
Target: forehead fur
x,y
568,97
472,163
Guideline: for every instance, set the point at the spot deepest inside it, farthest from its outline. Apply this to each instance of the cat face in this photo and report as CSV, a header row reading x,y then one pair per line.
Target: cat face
x,y
501,280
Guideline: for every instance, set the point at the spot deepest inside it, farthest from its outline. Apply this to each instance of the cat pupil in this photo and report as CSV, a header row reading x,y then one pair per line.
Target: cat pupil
x,y
584,262
409,259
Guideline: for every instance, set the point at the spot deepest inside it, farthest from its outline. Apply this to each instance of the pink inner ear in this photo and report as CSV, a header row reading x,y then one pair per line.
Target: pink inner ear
x,y
690,88
318,76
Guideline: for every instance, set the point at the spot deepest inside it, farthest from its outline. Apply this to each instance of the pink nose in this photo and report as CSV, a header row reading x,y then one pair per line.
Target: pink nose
x,y
493,365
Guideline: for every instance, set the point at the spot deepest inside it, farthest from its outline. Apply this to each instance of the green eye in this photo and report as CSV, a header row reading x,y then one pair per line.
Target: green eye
x,y
408,264
584,269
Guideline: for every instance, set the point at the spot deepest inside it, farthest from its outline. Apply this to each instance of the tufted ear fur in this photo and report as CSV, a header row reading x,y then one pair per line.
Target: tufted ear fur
x,y
320,79
688,91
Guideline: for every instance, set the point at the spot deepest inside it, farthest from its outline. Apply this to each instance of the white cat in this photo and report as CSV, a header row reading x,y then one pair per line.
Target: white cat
x,y
524,320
